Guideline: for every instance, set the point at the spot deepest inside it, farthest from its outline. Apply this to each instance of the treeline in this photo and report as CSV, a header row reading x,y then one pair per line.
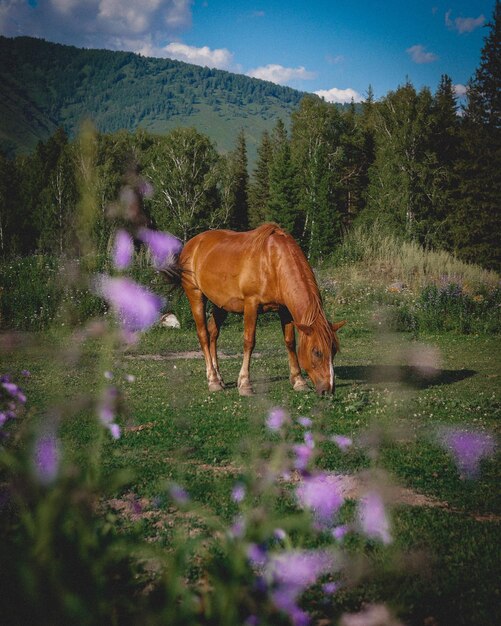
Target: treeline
x,y
413,161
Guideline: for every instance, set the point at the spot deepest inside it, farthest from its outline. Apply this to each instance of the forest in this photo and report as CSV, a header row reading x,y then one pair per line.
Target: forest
x,y
416,162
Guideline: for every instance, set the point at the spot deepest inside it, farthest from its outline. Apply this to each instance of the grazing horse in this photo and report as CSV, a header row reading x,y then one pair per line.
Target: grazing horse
x,y
250,273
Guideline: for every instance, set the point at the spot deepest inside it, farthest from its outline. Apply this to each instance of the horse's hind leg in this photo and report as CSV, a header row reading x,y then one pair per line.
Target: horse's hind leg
x,y
214,325
197,303
250,319
296,379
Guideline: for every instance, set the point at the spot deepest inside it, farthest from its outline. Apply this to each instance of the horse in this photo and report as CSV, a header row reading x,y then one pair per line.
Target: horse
x,y
254,272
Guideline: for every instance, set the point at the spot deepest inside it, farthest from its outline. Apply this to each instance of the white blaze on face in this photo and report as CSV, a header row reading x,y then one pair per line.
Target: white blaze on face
x,y
331,386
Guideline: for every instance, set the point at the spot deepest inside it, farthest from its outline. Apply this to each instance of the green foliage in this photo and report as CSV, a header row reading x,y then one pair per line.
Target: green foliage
x,y
45,85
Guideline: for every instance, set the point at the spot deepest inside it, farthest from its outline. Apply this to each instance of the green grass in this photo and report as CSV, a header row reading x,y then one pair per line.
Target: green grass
x,y
443,561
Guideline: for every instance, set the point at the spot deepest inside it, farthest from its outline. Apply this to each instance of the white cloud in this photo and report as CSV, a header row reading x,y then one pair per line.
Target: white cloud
x,y
220,58
279,74
464,24
419,55
97,23
460,90
340,96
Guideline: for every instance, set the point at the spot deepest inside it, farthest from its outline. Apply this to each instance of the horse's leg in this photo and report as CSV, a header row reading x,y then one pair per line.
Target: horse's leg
x,y
215,322
197,303
250,319
296,379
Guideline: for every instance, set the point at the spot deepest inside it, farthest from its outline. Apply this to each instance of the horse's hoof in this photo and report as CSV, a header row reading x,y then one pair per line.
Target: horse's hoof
x,y
246,391
300,385
215,387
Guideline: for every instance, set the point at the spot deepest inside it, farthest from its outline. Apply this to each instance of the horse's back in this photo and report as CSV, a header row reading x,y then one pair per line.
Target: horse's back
x,y
229,266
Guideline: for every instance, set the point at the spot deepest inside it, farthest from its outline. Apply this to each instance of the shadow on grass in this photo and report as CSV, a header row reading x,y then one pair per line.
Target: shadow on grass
x,y
401,374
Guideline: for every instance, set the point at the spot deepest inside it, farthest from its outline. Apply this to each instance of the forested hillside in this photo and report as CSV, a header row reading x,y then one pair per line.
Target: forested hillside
x,y
45,85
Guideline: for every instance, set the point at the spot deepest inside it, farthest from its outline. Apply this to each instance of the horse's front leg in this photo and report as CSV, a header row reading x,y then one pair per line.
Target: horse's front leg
x,y
296,378
214,325
250,319
197,303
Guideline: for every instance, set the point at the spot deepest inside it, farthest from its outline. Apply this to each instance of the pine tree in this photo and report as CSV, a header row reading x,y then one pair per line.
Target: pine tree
x,y
476,224
240,217
282,204
259,188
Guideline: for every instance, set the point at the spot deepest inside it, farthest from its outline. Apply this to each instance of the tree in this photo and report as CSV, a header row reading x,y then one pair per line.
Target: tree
x,y
259,188
476,224
183,169
282,204
239,219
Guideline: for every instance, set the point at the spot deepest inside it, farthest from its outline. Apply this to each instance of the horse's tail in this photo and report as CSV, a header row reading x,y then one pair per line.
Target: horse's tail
x,y
172,272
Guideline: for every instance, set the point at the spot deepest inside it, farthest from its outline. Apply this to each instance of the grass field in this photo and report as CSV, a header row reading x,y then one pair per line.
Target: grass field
x,y
393,394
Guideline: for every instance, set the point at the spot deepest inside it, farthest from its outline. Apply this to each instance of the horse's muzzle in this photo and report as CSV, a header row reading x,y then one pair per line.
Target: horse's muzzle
x,y
325,390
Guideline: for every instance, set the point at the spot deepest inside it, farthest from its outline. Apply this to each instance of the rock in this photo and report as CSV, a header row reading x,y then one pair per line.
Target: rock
x,y
169,320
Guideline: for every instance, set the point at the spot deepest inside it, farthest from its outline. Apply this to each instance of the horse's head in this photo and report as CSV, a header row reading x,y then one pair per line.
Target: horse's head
x,y
317,347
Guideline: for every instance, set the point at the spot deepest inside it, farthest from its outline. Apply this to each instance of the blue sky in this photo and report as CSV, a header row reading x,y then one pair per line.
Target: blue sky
x,y
336,48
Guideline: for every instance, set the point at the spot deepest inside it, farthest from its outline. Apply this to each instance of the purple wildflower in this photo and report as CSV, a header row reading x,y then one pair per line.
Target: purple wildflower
x,y
11,388
238,493
237,529
123,249
339,532
136,307
25,373
330,588
146,189
308,439
3,418
277,417
342,441
107,409
257,555
178,494
468,448
280,534
108,375
303,454
46,458
163,246
320,494
292,572
305,421
373,519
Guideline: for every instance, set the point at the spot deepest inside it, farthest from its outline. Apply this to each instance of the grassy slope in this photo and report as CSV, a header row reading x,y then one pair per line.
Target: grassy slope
x,y
198,439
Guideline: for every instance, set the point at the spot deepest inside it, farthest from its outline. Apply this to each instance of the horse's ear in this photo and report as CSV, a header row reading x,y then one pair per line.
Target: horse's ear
x,y
337,325
307,330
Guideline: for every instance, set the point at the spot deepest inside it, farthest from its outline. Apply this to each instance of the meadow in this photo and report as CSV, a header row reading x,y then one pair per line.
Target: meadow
x,y
143,526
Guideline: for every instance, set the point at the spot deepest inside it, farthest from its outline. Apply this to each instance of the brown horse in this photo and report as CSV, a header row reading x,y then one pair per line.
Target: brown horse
x,y
250,273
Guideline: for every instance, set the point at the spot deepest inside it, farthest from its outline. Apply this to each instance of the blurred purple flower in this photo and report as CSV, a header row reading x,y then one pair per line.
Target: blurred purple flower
x,y
305,421
107,409
339,532
342,441
373,519
3,418
11,388
330,588
238,493
137,308
291,573
178,494
108,375
162,246
308,439
146,189
302,454
130,378
237,529
320,494
468,448
26,373
277,417
257,555
280,534
46,458
123,249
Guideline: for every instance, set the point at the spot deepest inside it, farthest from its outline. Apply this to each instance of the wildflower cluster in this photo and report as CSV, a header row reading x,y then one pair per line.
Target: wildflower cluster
x,y
12,399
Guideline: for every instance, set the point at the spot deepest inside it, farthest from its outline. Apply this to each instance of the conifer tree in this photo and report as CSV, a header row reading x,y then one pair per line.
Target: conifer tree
x,y
240,217
476,224
259,188
282,205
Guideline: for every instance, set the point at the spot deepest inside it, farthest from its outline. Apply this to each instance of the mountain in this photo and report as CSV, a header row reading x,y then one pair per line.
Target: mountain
x,y
45,85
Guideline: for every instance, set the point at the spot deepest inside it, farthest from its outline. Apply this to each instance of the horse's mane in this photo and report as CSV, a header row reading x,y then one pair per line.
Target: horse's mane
x,y
314,314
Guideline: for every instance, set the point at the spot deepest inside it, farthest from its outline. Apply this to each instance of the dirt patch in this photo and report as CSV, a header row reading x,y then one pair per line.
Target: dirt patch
x,y
187,354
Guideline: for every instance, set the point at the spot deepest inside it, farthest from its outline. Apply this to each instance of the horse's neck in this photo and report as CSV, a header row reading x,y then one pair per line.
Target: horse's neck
x,y
302,300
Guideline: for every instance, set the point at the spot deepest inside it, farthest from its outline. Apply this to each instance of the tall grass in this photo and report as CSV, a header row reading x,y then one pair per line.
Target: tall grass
x,y
374,252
